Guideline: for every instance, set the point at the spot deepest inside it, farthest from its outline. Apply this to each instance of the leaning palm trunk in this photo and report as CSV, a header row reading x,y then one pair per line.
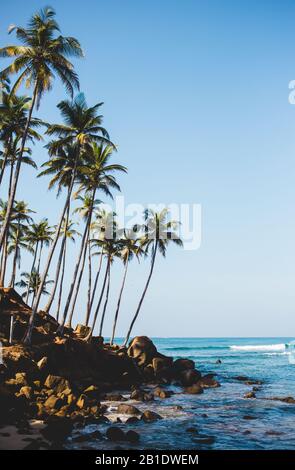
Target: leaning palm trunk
x,y
32,269
78,284
88,313
4,260
87,338
5,159
6,222
106,302
82,248
28,335
61,282
61,253
89,275
143,294
12,280
119,303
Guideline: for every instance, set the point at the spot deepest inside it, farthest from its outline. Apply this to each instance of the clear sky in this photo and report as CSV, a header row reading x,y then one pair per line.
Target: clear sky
x,y
196,97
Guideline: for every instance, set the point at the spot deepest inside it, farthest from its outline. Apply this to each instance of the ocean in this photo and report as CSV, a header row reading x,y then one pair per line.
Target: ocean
x,y
222,417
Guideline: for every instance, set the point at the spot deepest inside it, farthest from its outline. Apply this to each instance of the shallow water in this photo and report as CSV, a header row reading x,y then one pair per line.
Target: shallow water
x,y
220,412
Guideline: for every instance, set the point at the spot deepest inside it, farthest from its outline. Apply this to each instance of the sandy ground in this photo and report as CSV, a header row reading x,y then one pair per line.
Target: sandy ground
x,y
11,438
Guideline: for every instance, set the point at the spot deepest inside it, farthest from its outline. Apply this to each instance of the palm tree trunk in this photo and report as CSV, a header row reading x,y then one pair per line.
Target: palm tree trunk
x,y
39,259
6,222
87,338
143,294
106,302
32,268
61,281
88,313
89,274
69,325
10,177
4,260
5,160
28,335
119,303
12,280
80,256
53,292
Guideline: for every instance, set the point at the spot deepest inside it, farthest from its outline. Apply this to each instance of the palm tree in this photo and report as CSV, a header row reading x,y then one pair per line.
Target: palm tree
x,y
42,55
158,234
37,233
94,175
80,128
111,250
19,218
3,210
130,247
31,282
45,238
67,232
13,115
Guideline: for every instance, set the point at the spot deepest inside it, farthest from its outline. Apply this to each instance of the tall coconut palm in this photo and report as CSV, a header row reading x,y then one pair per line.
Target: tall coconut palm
x,y
13,118
20,217
36,234
67,232
130,247
111,251
42,56
95,175
31,282
75,114
45,238
159,232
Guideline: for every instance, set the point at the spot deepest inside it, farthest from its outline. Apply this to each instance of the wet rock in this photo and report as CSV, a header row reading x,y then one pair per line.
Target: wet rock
x,y
141,395
162,393
83,402
208,382
132,436
82,330
128,409
249,417
189,377
149,416
115,434
241,378
194,389
21,378
92,392
250,395
183,364
192,430
142,350
115,397
57,383
162,365
218,361
205,440
89,436
132,420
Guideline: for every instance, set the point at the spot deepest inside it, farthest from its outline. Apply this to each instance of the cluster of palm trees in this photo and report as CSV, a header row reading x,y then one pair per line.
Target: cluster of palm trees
x,y
80,166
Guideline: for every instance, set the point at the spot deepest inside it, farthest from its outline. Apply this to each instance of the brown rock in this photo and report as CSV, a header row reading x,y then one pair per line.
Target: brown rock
x,y
142,349
53,402
194,389
132,436
115,434
92,392
21,378
115,397
208,382
162,393
128,409
149,416
189,377
250,395
27,392
42,363
183,364
58,384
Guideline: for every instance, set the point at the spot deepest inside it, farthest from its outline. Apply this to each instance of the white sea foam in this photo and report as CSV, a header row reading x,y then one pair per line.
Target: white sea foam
x,y
260,347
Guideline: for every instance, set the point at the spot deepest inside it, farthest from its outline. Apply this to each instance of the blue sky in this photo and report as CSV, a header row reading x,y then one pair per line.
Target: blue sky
x,y
196,97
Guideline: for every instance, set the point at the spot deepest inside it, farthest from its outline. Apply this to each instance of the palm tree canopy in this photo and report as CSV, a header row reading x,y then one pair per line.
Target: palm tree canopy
x,y
40,232
43,53
158,228
81,124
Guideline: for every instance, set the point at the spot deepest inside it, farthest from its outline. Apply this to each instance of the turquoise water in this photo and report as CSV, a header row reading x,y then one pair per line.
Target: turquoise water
x,y
221,413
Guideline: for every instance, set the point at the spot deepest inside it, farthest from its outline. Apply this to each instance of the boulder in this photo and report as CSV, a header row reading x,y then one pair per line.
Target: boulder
x,y
161,363
42,364
189,377
132,436
250,395
115,397
132,420
84,402
194,389
27,392
57,383
128,410
160,392
82,330
53,402
115,434
57,428
149,416
141,395
142,350
207,381
92,392
21,378
183,364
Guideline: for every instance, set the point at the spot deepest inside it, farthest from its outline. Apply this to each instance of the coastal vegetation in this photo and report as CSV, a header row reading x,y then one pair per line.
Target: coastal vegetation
x,y
83,169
